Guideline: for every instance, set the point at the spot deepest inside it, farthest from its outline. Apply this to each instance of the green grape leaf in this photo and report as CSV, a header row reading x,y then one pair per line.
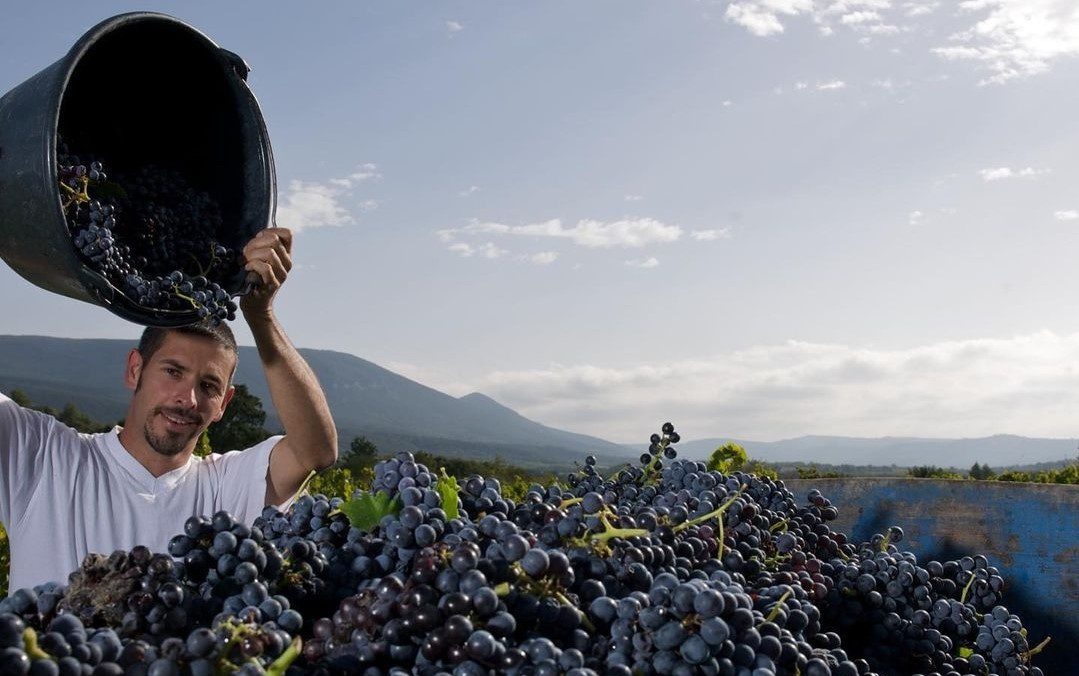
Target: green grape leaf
x,y
448,489
965,652
367,509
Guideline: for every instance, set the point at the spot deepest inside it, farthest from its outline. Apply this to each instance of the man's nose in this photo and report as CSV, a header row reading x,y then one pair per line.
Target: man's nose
x,y
185,397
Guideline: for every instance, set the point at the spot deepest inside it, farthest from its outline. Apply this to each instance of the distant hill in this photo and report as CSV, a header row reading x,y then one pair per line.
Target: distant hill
x,y
400,414
998,450
391,410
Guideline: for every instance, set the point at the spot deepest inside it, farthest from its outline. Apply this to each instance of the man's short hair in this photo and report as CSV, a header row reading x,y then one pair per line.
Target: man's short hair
x,y
153,337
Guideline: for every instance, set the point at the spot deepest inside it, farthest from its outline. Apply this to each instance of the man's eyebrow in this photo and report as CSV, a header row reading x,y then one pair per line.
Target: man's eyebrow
x,y
174,364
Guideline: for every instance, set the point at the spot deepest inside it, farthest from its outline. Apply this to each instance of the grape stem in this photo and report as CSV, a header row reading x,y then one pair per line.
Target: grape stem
x,y
717,512
610,531
1038,648
776,560
306,483
189,299
198,265
620,468
656,461
585,622
285,659
779,604
80,195
779,526
966,589
33,651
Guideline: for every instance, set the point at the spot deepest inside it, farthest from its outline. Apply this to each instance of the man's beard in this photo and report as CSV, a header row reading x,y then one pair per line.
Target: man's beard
x,y
166,443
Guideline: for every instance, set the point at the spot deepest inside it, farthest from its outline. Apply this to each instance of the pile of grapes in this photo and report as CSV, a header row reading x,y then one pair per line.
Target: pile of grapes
x,y
662,568
150,233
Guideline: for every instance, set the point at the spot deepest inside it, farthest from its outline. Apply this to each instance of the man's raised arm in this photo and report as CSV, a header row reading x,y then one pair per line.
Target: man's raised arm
x,y
310,441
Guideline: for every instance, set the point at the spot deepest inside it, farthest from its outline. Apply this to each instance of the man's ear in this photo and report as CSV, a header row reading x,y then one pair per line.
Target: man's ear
x,y
225,402
133,369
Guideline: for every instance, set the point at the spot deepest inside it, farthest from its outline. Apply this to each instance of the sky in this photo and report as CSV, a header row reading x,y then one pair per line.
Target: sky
x,y
757,219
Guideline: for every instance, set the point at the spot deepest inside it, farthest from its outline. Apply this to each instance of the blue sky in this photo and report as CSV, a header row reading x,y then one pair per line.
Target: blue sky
x,y
758,219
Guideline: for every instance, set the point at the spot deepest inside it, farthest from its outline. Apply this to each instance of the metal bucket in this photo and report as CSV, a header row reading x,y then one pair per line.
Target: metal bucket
x,y
137,88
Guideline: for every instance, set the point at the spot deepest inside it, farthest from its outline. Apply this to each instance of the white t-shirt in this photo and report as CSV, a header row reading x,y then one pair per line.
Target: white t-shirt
x,y
64,494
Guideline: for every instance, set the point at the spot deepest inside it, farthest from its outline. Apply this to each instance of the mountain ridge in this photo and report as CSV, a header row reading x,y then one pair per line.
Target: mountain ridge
x,y
401,414
365,398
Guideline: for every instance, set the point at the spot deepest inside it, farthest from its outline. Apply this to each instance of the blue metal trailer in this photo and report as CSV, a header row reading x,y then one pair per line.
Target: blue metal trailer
x,y
1029,531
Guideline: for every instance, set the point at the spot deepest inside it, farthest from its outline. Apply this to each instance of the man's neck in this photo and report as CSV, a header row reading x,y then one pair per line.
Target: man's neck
x,y
155,463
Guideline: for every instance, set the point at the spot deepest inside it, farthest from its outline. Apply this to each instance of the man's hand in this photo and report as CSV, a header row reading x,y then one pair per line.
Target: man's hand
x,y
269,255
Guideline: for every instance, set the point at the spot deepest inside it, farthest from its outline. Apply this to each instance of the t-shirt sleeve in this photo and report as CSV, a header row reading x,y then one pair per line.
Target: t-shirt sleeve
x,y
243,479
24,437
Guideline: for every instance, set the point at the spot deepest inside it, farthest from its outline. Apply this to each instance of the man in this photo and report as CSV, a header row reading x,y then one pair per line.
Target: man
x,y
65,494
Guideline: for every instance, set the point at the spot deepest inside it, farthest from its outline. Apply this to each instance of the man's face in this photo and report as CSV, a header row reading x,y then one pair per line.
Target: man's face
x,y
179,391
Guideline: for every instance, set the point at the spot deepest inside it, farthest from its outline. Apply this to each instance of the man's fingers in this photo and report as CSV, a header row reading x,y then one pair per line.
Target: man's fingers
x,y
285,235
283,254
276,255
280,269
271,237
266,273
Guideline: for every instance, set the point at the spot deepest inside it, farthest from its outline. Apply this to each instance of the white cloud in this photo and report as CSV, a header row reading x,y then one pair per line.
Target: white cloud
x,y
454,27
471,190
634,198
761,17
920,8
710,235
1000,173
646,263
544,257
727,103
485,250
883,29
365,172
766,17
915,217
1007,39
831,85
312,204
1026,384
859,18
589,233
1015,38
491,250
799,86
1066,215
890,85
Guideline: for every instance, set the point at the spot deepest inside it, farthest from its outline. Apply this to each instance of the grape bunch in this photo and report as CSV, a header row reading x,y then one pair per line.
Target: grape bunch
x,y
64,647
658,567
151,234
